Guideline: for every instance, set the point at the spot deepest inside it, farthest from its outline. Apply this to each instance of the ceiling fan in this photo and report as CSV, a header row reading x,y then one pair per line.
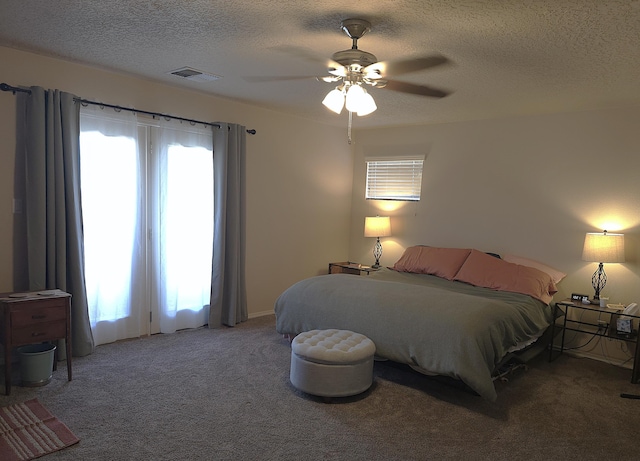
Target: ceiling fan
x,y
356,69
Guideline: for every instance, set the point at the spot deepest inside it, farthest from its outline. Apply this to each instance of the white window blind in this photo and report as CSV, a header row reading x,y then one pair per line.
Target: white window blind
x,y
394,178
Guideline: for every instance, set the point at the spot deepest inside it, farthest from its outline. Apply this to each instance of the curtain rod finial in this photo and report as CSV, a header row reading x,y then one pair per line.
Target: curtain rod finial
x,y
13,89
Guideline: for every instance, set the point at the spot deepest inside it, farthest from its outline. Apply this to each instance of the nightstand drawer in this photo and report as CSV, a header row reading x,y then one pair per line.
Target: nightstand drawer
x,y
40,313
39,332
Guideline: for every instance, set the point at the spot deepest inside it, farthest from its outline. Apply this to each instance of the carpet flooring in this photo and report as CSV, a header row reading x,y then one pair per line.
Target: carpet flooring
x,y
225,395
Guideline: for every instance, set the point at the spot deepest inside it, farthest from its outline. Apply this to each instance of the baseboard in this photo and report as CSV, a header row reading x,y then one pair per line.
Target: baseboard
x,y
628,364
260,314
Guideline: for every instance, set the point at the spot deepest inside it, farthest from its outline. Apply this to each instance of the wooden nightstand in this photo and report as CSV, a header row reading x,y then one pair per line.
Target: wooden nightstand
x,y
348,267
32,318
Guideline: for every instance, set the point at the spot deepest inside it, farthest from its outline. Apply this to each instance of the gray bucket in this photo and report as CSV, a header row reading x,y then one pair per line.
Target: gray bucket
x,y
36,364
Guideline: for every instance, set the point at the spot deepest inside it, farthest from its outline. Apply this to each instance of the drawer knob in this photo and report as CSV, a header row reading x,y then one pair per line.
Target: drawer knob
x,y
38,317
37,334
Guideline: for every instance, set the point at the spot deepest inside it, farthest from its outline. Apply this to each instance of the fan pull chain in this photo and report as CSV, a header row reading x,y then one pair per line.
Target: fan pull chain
x,y
349,126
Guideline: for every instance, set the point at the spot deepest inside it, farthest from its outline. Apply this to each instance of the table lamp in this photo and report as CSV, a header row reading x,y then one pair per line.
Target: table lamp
x,y
602,248
377,226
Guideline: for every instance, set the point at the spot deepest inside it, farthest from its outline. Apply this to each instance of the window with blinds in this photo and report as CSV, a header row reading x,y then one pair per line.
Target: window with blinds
x,y
397,178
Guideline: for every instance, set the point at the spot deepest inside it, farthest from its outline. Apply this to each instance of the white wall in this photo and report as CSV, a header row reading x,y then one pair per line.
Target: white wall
x,y
298,173
531,186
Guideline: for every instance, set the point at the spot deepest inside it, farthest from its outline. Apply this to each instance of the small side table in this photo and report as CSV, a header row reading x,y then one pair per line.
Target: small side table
x,y
606,329
348,267
32,318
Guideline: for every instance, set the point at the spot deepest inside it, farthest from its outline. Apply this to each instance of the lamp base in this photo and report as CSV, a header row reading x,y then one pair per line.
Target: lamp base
x,y
377,253
598,282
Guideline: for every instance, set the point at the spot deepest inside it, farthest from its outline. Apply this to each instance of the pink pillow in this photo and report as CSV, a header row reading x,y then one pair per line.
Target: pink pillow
x,y
443,262
555,274
483,270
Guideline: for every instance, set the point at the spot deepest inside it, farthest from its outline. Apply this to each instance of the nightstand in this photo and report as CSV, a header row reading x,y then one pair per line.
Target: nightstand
x,y
32,318
348,267
606,327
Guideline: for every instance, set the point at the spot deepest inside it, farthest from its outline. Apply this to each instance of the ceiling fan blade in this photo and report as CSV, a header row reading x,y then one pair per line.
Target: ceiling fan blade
x,y
278,78
421,90
392,68
309,55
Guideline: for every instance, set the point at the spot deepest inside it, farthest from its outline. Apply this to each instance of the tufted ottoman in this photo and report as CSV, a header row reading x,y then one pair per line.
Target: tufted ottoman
x,y
332,363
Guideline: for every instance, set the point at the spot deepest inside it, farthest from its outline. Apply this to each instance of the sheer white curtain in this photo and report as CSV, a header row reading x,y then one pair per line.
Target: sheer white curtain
x,y
184,244
112,205
147,193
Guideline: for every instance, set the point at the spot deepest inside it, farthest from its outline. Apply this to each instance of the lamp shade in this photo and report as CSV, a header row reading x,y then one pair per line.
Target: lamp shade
x,y
367,105
377,226
603,248
334,101
355,98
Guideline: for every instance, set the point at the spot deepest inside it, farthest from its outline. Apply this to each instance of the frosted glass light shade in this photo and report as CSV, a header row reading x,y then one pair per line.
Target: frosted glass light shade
x,y
355,95
367,105
334,101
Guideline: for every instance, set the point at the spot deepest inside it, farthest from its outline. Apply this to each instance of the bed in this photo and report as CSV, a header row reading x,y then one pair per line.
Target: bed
x,y
450,312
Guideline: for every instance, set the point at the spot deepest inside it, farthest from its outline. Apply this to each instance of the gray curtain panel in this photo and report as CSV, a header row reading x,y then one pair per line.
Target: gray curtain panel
x,y
228,285
48,127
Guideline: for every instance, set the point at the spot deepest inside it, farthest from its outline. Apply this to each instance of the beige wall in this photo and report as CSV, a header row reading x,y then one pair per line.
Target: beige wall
x,y
298,173
531,186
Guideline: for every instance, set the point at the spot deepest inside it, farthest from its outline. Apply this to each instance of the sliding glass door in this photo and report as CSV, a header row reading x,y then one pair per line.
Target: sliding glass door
x,y
147,202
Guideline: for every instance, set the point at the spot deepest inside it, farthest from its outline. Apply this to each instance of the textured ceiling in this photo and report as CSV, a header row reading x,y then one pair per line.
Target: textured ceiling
x,y
510,56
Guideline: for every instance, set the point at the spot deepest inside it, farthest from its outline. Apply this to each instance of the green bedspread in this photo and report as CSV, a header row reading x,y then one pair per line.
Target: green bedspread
x,y
446,328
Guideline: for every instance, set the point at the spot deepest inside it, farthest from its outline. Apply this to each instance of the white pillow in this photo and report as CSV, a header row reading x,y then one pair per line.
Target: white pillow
x,y
555,274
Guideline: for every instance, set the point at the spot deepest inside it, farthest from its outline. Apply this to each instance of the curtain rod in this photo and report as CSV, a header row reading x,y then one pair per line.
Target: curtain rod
x,y
13,89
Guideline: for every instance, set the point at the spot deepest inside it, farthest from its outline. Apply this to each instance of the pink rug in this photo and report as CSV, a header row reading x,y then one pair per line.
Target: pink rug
x,y
28,431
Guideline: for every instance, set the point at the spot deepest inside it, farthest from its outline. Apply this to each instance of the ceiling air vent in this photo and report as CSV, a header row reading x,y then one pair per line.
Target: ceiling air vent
x,y
194,75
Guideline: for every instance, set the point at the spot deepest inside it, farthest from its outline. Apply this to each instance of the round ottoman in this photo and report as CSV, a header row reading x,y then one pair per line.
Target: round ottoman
x,y
332,363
